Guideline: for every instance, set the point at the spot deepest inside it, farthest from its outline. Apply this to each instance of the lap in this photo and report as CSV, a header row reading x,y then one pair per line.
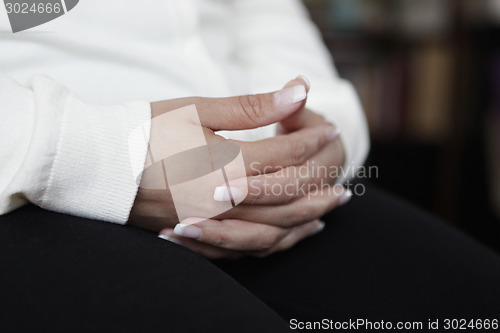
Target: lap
x,y
63,273
378,258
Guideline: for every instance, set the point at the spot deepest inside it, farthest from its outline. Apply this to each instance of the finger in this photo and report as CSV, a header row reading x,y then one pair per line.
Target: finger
x,y
250,111
206,250
237,235
286,184
275,153
307,118
276,188
270,155
296,235
312,205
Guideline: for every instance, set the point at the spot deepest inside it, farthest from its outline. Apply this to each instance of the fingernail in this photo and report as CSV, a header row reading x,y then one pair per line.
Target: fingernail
x,y
306,80
187,230
345,197
319,228
224,193
289,96
170,239
334,134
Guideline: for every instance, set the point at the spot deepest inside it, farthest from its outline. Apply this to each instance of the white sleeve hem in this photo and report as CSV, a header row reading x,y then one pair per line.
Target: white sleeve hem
x,y
92,172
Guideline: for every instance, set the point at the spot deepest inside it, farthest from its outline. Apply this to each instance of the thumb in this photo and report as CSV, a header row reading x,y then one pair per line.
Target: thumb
x,y
250,111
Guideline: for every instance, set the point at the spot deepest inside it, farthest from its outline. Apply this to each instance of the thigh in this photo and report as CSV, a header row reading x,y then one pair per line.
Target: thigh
x,y
63,273
378,258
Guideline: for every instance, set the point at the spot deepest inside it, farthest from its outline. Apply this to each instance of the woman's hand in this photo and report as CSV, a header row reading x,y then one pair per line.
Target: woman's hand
x,y
154,207
286,203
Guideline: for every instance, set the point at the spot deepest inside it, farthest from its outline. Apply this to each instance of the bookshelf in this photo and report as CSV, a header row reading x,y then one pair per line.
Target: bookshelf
x,y
428,76
399,55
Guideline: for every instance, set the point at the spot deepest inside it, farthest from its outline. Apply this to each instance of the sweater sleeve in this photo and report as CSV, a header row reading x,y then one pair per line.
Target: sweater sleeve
x,y
275,41
66,155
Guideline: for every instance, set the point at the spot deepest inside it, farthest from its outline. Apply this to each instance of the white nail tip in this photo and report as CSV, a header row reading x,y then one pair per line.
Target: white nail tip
x,y
221,193
187,230
320,228
334,134
299,93
306,80
290,95
179,229
345,197
170,239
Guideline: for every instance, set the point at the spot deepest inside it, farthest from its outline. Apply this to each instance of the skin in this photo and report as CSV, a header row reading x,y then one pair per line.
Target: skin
x,y
263,223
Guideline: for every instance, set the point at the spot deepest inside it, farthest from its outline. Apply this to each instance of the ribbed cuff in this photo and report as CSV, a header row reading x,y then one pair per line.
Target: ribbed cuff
x,y
93,171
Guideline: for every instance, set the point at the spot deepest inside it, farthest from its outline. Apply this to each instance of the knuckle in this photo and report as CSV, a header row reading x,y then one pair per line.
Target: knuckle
x,y
320,142
266,241
300,214
221,240
251,107
298,152
257,192
256,197
291,194
304,175
320,182
293,187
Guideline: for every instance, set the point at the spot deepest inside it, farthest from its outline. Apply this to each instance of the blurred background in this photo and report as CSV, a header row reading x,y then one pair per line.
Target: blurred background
x,y
428,75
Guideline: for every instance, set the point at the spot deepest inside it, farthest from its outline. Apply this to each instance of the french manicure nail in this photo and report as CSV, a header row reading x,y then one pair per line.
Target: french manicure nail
x,y
345,197
221,193
319,228
187,230
334,134
289,96
306,80
170,239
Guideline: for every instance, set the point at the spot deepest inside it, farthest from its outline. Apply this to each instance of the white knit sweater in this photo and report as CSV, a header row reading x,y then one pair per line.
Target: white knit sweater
x,y
65,88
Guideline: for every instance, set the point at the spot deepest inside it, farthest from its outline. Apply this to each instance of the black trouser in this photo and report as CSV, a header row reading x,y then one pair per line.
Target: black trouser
x,y
377,259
